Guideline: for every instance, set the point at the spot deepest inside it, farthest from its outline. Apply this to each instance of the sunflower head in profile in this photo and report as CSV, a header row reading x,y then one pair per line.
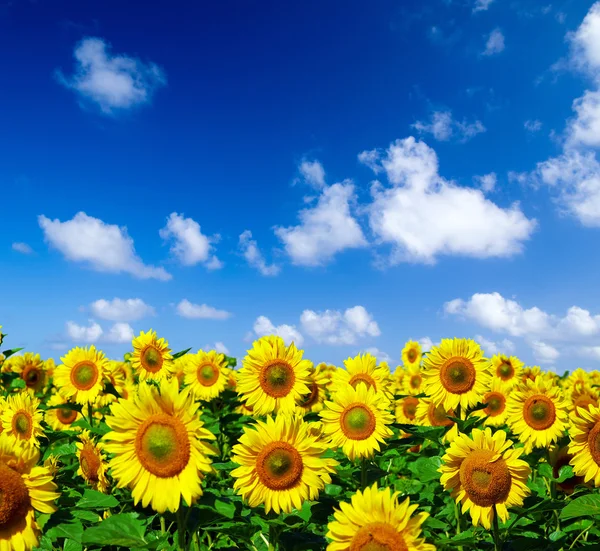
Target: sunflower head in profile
x,y
412,381
560,457
412,354
30,368
81,374
537,413
356,420
281,464
430,415
92,463
485,474
21,420
274,377
313,401
375,520
24,489
585,444
363,369
61,418
507,369
151,358
206,374
406,410
158,446
495,399
456,373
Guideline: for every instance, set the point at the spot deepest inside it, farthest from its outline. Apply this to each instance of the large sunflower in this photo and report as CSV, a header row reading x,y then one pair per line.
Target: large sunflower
x,y
496,398
506,368
375,520
81,374
485,474
356,420
92,463
21,419
61,418
273,377
281,464
412,354
537,413
456,373
363,369
585,444
206,374
30,368
24,489
151,357
157,446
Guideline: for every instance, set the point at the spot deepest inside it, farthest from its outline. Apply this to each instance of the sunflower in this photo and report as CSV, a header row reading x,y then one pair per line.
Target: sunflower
x,y
531,373
151,357
495,398
231,378
412,354
25,488
406,410
30,368
356,420
537,413
273,377
49,367
328,371
61,418
157,446
21,419
313,401
281,464
485,474
375,520
428,414
412,381
363,369
81,374
585,444
584,399
92,463
578,381
506,368
559,457
456,373
398,379
206,374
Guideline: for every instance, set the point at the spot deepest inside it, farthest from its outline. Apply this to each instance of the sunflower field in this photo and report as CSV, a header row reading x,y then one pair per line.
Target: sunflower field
x,y
451,450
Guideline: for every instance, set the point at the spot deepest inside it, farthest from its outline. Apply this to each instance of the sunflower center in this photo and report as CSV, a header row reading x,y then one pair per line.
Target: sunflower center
x,y
594,443
358,422
505,371
14,498
362,378
412,355
378,536
279,466
539,412
415,381
66,416
151,359
496,403
458,375
486,482
277,378
208,374
32,376
310,399
409,407
438,416
90,463
22,424
162,445
84,375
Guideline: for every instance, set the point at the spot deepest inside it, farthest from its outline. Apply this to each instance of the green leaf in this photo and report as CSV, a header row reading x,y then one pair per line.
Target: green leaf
x,y
85,515
182,353
225,466
556,535
8,353
123,530
16,384
584,506
226,508
69,530
566,472
96,500
72,545
333,489
545,470
426,468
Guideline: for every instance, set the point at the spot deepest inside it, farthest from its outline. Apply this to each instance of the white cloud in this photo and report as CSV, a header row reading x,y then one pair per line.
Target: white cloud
x,y
443,127
23,248
254,257
117,309
482,5
119,333
187,309
104,247
219,347
335,327
380,355
81,333
263,326
313,173
423,215
494,44
325,230
590,352
532,125
584,128
190,245
426,343
544,353
113,82
585,42
495,347
487,182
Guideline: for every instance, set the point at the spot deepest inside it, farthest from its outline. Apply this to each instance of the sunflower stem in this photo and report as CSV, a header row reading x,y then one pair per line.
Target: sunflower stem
x,y
496,532
180,530
91,414
273,538
363,473
457,515
162,524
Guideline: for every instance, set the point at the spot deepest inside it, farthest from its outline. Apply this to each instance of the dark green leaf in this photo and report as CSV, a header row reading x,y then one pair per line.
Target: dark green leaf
x,y
8,353
546,470
566,472
227,509
72,545
96,500
123,530
584,506
69,530
182,353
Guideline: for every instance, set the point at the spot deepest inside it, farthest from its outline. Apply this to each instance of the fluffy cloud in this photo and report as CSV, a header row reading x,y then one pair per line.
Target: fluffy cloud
x,y
424,216
254,257
22,248
584,128
494,44
335,327
92,333
585,42
380,355
263,326
426,343
187,309
492,347
104,247
119,333
481,5
532,125
117,309
443,127
325,230
190,245
312,173
113,82
219,347
487,182
544,353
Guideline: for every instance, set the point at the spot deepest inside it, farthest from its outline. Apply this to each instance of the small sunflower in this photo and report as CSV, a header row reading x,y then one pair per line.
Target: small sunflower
x,y
559,457
406,410
578,381
206,374
30,368
21,419
313,401
328,371
363,369
429,415
49,366
412,381
375,520
456,373
273,377
496,398
584,399
398,379
92,463
531,373
232,375
356,420
585,444
537,413
61,418
281,464
25,488
412,354
157,446
81,374
506,368
151,357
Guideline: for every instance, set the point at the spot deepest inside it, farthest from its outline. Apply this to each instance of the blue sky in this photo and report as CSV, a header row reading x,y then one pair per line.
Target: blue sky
x,y
347,178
